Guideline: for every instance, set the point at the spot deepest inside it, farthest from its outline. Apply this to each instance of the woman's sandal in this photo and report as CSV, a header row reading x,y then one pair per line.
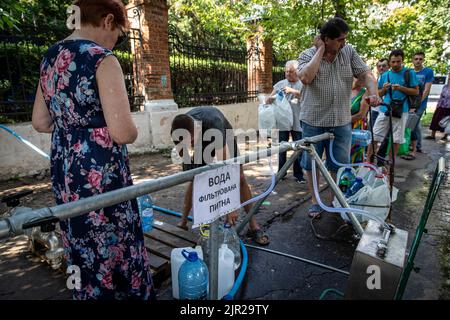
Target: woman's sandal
x,y
408,157
259,236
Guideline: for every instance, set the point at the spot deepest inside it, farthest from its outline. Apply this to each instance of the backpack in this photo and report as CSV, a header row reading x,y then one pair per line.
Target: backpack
x,y
414,101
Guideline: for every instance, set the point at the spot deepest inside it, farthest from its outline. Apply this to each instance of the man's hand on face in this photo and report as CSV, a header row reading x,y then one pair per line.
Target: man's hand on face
x,y
318,42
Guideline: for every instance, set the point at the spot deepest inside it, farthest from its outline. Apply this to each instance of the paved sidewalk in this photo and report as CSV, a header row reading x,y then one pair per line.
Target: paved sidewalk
x,y
269,276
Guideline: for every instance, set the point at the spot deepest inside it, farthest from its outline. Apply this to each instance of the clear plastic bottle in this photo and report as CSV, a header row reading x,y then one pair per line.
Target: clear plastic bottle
x,y
378,181
344,184
346,180
231,239
193,277
145,204
356,186
361,137
370,177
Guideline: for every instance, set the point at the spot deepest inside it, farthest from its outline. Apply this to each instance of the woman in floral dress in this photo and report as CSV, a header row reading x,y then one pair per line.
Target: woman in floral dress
x,y
81,99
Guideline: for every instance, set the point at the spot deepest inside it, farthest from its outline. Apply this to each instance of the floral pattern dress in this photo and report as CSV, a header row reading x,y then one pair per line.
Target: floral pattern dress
x,y
108,244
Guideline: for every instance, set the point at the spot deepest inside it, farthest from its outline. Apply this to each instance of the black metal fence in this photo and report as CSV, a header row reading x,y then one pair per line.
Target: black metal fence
x,y
129,64
20,58
207,74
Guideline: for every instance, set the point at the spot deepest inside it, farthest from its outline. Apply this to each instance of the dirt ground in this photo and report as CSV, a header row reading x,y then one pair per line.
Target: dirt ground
x,y
23,276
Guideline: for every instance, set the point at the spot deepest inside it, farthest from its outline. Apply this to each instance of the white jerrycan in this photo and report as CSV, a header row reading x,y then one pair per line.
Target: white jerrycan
x,y
176,260
226,271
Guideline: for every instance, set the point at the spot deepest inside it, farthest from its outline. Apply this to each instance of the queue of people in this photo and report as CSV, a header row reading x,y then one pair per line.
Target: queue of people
x,y
82,101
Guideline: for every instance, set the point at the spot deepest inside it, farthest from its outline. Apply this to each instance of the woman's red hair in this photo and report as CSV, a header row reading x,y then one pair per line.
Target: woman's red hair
x,y
93,11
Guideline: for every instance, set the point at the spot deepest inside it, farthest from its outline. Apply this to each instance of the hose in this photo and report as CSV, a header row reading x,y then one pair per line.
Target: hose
x,y
26,142
325,292
168,211
363,164
265,193
339,210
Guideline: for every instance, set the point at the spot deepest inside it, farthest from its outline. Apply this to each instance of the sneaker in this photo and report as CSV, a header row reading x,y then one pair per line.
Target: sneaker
x,y
301,181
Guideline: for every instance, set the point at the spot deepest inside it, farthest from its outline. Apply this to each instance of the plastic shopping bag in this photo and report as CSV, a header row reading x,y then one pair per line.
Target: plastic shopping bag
x,y
266,116
283,112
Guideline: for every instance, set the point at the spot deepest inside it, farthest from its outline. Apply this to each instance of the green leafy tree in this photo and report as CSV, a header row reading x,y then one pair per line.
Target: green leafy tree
x,y
376,27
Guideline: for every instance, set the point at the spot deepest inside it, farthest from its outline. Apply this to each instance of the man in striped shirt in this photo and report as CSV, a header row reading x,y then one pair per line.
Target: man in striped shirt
x,y
326,71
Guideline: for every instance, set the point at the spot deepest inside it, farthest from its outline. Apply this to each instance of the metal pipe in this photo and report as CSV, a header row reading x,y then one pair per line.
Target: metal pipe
x,y
301,259
339,196
13,225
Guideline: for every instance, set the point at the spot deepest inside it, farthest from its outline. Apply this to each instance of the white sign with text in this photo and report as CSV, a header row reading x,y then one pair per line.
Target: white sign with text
x,y
216,193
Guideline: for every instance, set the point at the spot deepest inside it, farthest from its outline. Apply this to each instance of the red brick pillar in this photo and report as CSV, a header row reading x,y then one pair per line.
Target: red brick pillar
x,y
153,56
259,63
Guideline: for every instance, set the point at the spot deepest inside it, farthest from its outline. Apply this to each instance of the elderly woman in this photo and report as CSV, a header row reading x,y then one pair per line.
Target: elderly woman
x,y
82,101
291,86
442,111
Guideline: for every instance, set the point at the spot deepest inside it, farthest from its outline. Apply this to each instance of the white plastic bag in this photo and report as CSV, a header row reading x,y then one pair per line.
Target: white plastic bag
x,y
444,122
413,120
374,197
447,129
283,114
266,117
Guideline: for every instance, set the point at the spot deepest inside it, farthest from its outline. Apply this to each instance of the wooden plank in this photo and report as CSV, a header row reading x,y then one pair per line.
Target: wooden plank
x,y
158,248
157,262
168,239
173,230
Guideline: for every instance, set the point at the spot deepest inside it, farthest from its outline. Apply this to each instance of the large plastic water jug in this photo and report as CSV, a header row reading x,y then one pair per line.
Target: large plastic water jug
x,y
231,239
193,277
176,260
226,271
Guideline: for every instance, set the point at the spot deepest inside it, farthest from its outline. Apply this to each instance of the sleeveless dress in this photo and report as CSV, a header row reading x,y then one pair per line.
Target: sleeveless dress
x,y
108,244
357,152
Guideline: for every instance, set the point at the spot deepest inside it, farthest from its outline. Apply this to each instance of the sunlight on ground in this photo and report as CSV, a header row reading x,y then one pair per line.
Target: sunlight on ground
x,y
34,186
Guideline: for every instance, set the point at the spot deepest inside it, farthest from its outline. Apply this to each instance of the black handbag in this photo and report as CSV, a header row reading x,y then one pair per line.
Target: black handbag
x,y
396,105
397,108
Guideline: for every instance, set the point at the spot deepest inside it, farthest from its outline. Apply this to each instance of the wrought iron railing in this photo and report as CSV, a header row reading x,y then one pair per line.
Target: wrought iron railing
x,y
208,75
20,58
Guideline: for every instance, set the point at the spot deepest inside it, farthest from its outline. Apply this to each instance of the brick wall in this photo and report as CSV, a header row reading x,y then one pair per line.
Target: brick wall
x,y
153,56
260,63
